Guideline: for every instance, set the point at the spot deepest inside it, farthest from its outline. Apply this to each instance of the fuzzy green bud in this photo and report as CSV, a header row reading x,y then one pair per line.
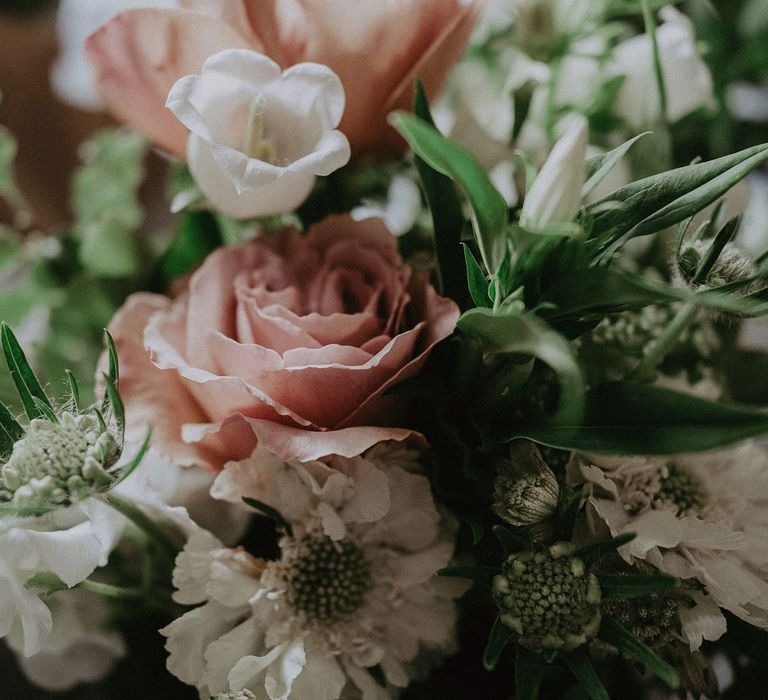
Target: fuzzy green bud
x,y
548,598
526,491
58,463
732,265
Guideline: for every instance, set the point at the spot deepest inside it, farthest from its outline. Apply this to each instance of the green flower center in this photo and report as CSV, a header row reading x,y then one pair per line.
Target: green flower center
x,y
683,489
551,603
328,580
652,619
58,463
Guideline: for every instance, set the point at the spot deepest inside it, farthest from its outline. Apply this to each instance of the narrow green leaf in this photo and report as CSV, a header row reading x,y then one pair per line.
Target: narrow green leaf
x,y
568,515
530,672
270,512
497,640
476,527
23,377
114,365
447,214
45,410
116,406
476,280
643,419
724,237
600,166
74,389
477,574
10,430
592,553
130,468
490,214
614,633
655,202
631,586
584,671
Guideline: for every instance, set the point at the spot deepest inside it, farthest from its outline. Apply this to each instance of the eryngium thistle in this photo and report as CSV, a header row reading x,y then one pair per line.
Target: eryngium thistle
x,y
548,598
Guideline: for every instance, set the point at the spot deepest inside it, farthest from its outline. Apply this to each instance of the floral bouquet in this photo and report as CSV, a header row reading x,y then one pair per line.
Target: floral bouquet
x,y
433,363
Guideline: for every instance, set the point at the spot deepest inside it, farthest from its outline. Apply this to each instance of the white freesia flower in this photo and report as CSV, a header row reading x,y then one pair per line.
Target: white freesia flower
x,y
81,648
72,75
259,135
687,79
71,542
699,516
555,196
355,586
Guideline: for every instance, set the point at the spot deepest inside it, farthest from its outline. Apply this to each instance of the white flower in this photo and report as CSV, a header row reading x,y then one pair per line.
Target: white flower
x,y
687,79
72,76
70,542
400,210
697,516
355,585
555,196
259,135
81,648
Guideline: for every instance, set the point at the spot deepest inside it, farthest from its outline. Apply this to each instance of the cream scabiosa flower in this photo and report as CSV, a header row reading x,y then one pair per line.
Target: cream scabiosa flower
x,y
699,516
354,587
259,135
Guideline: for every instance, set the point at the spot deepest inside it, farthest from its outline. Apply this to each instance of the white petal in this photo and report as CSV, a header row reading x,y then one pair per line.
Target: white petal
x,y
703,621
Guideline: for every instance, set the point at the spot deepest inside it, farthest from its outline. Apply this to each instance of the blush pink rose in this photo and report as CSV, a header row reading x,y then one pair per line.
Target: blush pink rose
x,y
376,47
289,341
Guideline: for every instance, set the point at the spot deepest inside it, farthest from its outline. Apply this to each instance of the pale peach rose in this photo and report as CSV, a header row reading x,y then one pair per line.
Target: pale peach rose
x,y
376,47
288,341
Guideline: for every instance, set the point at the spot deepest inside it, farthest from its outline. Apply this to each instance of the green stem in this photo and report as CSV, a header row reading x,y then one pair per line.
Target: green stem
x,y
110,591
664,344
650,28
153,531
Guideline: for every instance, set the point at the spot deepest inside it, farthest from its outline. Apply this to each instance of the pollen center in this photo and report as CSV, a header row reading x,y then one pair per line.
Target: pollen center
x,y
682,489
328,580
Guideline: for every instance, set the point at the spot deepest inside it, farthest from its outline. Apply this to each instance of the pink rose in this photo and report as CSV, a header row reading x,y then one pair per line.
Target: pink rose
x,y
288,341
376,47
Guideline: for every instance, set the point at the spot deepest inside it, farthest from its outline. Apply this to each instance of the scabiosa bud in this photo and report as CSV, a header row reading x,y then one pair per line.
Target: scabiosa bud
x,y
57,463
548,598
526,489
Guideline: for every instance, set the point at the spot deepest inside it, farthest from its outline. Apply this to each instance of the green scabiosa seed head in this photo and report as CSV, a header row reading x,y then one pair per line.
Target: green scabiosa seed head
x,y
548,599
58,463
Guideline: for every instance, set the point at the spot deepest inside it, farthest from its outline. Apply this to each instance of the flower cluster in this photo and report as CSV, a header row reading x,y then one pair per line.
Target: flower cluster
x,y
434,357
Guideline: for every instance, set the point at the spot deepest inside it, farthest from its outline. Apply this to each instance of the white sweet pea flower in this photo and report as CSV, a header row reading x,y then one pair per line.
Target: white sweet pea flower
x,y
81,648
354,586
72,76
555,196
259,135
687,79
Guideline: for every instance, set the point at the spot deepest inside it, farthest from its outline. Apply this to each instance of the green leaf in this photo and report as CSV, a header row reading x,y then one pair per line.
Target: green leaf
x,y
525,334
10,431
530,672
447,215
74,389
272,513
476,280
198,235
616,635
600,166
23,377
631,586
477,574
584,671
489,210
131,467
568,514
113,374
724,237
592,553
510,542
654,203
643,419
116,405
498,639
